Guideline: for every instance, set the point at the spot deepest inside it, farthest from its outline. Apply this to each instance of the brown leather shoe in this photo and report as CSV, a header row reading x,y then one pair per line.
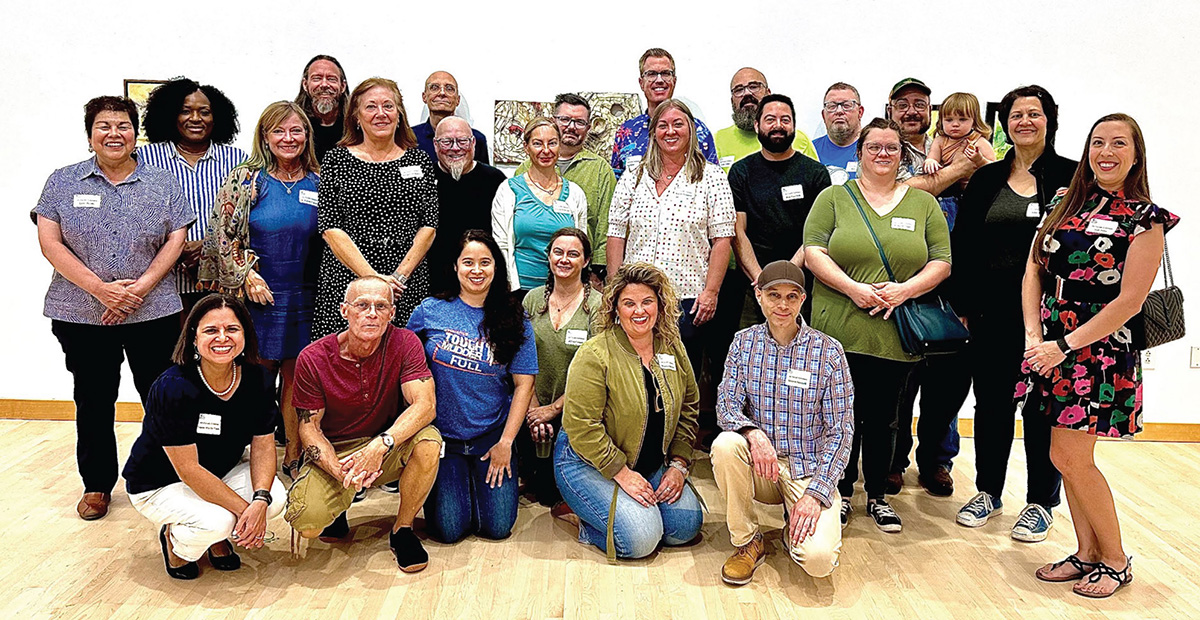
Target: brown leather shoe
x,y
940,483
739,568
93,506
895,483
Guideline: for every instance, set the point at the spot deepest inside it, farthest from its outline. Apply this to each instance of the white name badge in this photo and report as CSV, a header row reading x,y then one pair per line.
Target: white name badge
x,y
852,167
726,161
308,197
411,172
632,163
209,424
904,223
687,192
576,337
792,192
1102,227
561,207
666,360
798,378
87,201
1033,210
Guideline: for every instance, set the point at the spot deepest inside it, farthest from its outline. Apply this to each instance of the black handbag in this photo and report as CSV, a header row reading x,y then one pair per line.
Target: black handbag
x,y
1161,317
927,325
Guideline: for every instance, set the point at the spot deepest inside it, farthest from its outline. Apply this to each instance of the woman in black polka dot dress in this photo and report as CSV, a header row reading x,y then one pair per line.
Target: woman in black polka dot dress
x,y
377,207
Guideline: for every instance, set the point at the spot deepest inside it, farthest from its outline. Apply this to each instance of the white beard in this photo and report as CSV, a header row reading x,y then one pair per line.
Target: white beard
x,y
456,169
324,105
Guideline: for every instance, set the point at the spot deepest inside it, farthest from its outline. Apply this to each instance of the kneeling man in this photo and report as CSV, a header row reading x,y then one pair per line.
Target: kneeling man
x,y
786,406
350,395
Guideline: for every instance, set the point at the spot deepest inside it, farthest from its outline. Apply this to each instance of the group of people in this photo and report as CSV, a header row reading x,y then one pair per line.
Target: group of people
x,y
416,320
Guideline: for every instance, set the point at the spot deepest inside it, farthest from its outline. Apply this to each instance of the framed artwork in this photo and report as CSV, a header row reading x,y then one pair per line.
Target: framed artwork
x,y
139,91
609,110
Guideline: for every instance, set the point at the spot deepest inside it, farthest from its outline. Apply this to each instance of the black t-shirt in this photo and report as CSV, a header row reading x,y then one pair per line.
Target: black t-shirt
x,y
180,411
652,456
325,138
775,226
462,205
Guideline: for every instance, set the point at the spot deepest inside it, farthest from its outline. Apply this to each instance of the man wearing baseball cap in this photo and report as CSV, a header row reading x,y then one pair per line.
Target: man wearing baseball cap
x,y
908,105
786,407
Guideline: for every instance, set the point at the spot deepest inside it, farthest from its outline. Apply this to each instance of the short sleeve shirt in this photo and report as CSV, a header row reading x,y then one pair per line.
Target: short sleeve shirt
x,y
632,140
840,161
181,411
361,398
116,230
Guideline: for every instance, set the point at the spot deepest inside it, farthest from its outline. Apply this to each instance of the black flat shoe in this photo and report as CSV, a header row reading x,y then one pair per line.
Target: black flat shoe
x,y
187,571
336,530
232,561
411,557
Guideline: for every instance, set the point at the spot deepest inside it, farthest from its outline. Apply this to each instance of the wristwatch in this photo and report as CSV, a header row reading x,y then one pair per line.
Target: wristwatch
x,y
263,495
388,442
1063,346
683,469
403,279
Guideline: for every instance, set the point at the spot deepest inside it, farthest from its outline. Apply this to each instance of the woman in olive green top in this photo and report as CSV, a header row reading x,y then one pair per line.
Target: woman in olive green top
x,y
562,313
629,420
853,298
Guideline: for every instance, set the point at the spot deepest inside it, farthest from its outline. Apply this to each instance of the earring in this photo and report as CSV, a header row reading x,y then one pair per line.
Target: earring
x,y
90,149
196,356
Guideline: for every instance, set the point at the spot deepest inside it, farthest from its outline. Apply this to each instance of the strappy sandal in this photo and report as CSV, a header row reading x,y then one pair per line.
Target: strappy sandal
x,y
1082,569
1123,578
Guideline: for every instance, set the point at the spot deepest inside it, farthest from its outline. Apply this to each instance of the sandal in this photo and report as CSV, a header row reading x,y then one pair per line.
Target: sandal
x,y
1082,569
1122,577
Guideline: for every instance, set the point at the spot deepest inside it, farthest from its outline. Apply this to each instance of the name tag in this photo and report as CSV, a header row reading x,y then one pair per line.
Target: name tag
x,y
1033,210
904,223
666,360
688,192
561,207
308,197
576,337
798,378
411,172
852,167
209,424
793,192
726,161
633,162
1102,227
87,201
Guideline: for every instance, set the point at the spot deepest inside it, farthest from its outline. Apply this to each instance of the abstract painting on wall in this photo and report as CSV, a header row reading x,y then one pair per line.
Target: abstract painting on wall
x,y
609,110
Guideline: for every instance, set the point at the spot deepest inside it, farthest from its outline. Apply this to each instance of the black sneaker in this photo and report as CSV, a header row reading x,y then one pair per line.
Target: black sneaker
x,y
846,509
336,530
410,555
885,518
360,495
391,487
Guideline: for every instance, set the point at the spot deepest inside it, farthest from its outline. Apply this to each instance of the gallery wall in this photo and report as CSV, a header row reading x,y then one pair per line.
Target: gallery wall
x,y
1095,57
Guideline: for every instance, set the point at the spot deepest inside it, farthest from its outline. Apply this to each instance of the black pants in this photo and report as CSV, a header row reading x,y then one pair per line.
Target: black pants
x,y
94,354
700,340
997,342
944,382
538,473
878,387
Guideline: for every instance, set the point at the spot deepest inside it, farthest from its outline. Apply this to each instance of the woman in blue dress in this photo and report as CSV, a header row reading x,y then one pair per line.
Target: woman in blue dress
x,y
262,243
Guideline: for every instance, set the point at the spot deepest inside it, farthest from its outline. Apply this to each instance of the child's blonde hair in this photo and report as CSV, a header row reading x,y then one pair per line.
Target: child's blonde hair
x,y
965,104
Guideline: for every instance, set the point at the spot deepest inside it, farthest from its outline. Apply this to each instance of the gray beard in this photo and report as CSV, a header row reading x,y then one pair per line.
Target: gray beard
x,y
455,170
839,135
324,106
743,118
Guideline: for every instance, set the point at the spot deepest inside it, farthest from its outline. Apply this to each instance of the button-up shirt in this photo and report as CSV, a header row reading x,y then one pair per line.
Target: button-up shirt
x,y
912,159
799,394
632,140
115,230
200,184
673,231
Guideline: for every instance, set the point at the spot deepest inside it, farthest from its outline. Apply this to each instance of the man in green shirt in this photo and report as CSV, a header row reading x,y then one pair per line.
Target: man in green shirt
x,y
746,89
589,171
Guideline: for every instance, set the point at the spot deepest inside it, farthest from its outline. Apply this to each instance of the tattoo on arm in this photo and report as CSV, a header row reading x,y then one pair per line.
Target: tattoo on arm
x,y
305,415
313,454
424,379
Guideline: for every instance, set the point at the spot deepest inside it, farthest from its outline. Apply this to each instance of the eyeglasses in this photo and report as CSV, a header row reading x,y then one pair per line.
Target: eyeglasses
x,y
379,306
874,148
752,87
653,76
847,105
295,132
567,121
902,106
449,89
448,143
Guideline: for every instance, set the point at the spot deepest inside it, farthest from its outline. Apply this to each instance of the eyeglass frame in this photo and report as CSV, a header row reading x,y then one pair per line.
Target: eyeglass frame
x,y
750,87
455,142
845,106
569,122
667,75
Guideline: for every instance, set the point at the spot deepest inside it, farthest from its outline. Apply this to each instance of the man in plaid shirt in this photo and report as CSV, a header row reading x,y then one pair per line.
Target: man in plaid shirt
x,y
786,406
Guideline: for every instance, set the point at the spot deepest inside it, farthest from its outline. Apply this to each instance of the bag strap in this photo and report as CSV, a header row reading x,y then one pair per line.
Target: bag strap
x,y
871,230
1168,278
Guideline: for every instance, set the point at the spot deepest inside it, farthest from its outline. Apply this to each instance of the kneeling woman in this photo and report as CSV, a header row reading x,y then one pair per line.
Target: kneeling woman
x,y
185,473
629,420
478,343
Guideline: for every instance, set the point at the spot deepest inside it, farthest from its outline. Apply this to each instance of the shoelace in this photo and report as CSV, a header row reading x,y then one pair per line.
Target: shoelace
x,y
1029,518
884,510
978,505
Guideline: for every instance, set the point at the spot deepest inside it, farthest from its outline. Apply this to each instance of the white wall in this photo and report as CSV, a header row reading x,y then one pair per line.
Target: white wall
x,y
1095,57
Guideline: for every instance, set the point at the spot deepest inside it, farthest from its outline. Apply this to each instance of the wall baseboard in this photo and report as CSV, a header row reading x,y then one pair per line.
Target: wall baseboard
x,y
11,409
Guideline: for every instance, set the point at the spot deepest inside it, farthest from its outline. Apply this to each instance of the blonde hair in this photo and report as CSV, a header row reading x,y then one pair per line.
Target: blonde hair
x,y
667,324
967,105
261,157
353,134
693,167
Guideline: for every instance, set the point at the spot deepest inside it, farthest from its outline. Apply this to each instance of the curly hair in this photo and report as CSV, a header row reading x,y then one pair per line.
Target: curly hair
x,y
503,324
161,121
667,325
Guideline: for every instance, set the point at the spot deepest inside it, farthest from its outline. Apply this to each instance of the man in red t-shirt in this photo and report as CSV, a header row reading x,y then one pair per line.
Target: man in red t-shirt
x,y
354,427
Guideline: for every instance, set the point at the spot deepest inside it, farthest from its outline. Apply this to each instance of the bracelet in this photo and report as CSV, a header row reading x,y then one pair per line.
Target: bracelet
x,y
678,465
262,495
1063,346
401,278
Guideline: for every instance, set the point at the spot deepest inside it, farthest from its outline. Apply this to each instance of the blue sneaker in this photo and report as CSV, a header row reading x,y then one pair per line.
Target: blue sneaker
x,y
1033,524
976,512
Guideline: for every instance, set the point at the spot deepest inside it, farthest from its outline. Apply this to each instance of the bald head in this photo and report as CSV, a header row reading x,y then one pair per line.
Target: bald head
x,y
367,285
441,94
746,89
454,144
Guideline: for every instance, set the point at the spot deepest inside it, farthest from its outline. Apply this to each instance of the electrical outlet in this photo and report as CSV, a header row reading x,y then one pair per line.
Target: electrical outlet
x,y
1148,360
1195,357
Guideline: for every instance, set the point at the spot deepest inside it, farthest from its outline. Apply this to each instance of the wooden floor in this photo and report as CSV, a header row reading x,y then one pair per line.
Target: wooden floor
x,y
54,565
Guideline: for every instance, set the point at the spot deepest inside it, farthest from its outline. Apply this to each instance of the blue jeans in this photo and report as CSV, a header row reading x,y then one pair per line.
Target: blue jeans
x,y
638,529
461,502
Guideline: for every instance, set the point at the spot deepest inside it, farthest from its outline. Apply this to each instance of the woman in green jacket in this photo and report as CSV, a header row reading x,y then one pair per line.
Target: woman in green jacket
x,y
630,416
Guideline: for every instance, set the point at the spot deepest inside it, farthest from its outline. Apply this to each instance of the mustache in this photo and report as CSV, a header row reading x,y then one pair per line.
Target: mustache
x,y
748,99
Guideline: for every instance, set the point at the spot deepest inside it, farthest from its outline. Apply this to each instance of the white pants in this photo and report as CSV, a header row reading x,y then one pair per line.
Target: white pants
x,y
195,523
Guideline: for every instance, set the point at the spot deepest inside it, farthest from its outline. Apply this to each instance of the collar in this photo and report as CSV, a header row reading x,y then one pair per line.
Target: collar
x,y
91,167
623,340
584,155
208,154
802,334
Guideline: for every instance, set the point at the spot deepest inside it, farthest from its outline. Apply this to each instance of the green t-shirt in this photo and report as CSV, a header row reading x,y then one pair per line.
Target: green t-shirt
x,y
556,348
913,233
734,144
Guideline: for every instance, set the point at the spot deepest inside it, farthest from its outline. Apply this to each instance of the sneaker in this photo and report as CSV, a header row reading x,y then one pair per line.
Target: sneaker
x,y
846,510
410,555
360,495
886,519
895,482
739,568
977,511
336,530
1033,524
391,487
939,483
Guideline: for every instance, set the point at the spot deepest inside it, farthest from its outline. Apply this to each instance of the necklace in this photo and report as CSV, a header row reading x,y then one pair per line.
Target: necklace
x,y
548,190
289,187
227,390
284,176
